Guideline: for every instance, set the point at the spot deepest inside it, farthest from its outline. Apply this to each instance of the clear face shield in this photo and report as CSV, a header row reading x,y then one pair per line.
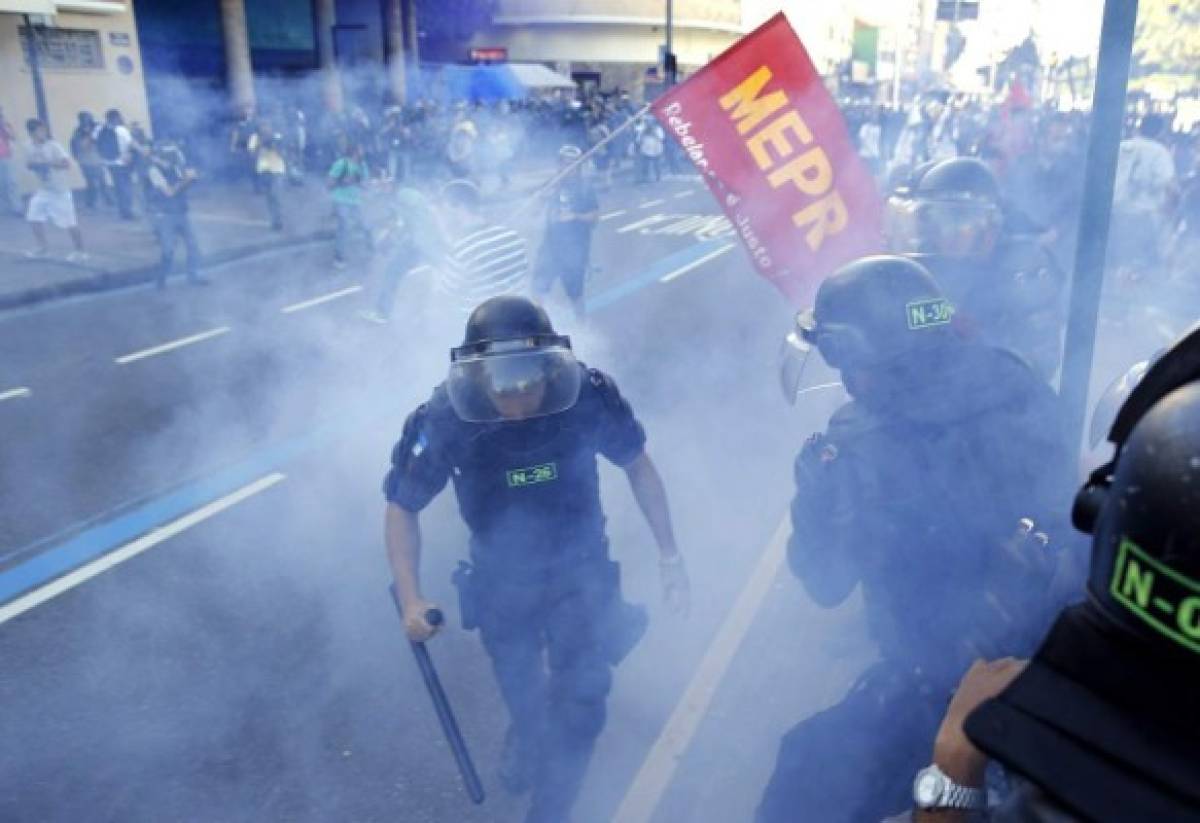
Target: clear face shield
x,y
800,371
511,380
958,228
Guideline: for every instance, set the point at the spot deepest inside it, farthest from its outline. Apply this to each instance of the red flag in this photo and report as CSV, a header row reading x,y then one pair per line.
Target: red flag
x,y
770,142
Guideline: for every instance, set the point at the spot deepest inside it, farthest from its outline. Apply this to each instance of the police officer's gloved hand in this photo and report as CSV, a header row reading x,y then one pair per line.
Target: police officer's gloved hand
x,y
416,626
677,591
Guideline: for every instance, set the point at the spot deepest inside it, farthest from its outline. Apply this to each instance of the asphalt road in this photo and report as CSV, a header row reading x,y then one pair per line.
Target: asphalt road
x,y
234,656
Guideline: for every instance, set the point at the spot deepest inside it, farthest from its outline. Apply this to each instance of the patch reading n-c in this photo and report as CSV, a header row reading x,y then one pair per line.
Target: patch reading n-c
x,y
545,473
1164,599
925,313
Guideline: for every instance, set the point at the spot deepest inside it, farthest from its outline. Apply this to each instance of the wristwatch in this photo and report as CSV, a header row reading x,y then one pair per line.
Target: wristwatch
x,y
934,790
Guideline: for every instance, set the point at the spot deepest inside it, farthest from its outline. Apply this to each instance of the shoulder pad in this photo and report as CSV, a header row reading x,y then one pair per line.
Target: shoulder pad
x,y
414,439
605,387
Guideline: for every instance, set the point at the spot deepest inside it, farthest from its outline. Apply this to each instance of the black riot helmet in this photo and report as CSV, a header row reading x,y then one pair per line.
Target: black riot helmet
x,y
511,364
1143,508
947,209
875,310
872,313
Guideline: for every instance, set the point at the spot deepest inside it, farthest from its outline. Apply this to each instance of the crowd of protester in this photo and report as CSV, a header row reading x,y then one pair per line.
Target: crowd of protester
x,y
1036,154
1038,157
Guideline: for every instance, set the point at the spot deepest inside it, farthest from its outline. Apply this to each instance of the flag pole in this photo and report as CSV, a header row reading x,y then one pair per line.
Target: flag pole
x,y
579,161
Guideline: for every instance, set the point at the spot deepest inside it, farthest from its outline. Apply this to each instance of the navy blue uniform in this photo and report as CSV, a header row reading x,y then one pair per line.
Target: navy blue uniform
x,y
529,491
914,500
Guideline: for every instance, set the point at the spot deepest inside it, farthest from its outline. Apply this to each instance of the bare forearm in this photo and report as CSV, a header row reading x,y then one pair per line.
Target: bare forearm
x,y
402,534
651,495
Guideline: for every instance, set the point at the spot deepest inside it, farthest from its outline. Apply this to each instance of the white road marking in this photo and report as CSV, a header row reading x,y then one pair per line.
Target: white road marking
x,y
147,541
316,301
645,221
612,214
695,264
650,203
656,772
174,344
13,394
684,194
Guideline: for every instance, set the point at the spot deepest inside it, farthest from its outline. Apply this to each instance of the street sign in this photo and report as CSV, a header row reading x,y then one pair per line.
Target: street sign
x,y
489,54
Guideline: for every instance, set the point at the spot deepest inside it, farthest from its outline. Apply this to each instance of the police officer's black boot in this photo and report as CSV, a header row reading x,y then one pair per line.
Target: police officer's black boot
x,y
518,763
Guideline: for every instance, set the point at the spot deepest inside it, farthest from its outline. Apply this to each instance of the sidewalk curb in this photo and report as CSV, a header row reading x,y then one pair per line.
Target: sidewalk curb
x,y
112,280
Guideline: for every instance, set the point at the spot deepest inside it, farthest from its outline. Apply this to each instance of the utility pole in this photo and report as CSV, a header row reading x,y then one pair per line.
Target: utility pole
x,y
670,66
1104,140
35,72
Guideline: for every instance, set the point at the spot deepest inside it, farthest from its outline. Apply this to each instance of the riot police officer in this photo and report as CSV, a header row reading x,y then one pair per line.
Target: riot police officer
x,y
990,261
1102,723
517,426
913,492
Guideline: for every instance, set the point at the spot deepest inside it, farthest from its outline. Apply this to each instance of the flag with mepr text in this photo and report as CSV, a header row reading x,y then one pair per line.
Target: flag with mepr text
x,y
771,144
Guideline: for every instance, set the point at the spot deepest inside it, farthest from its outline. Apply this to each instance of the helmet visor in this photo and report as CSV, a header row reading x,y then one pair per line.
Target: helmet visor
x,y
800,370
513,382
795,356
954,228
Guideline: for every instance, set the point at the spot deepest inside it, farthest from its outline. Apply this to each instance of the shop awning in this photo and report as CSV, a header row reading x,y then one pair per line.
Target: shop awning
x,y
535,76
501,81
27,7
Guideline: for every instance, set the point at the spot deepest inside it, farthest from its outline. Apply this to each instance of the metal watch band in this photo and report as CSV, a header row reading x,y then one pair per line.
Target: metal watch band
x,y
961,797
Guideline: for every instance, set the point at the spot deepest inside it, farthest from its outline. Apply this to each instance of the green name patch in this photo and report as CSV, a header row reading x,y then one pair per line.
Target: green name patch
x,y
925,313
545,473
1161,597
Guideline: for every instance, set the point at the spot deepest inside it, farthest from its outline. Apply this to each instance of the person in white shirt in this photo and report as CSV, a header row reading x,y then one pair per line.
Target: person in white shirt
x,y
870,142
1142,195
115,143
52,202
651,140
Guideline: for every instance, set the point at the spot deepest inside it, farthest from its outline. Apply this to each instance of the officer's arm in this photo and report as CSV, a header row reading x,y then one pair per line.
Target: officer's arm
x,y
821,550
402,534
651,495
416,476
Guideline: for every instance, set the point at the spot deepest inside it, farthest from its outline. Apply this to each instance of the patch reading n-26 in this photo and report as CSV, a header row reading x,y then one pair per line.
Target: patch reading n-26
x,y
925,313
1164,599
545,473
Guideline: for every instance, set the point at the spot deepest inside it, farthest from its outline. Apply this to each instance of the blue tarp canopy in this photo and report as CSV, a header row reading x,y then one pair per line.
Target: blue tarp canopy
x,y
501,81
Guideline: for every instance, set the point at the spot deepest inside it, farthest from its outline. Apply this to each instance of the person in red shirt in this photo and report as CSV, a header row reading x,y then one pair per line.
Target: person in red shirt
x,y
9,201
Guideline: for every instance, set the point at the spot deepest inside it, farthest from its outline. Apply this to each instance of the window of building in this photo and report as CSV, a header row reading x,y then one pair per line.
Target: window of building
x,y
64,48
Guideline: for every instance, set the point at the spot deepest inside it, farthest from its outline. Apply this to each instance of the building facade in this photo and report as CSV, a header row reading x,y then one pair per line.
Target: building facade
x,y
611,44
89,59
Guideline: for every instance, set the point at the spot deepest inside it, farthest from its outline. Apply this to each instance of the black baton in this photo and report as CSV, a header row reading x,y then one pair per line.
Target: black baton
x,y
462,757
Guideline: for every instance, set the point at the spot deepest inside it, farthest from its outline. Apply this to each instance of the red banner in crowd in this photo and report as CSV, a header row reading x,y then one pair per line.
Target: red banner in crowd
x,y
771,144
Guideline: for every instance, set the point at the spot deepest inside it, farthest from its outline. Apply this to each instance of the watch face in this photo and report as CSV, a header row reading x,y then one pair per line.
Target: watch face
x,y
928,789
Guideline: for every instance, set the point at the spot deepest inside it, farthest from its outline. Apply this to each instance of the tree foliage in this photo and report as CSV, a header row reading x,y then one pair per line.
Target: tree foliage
x,y
1167,39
